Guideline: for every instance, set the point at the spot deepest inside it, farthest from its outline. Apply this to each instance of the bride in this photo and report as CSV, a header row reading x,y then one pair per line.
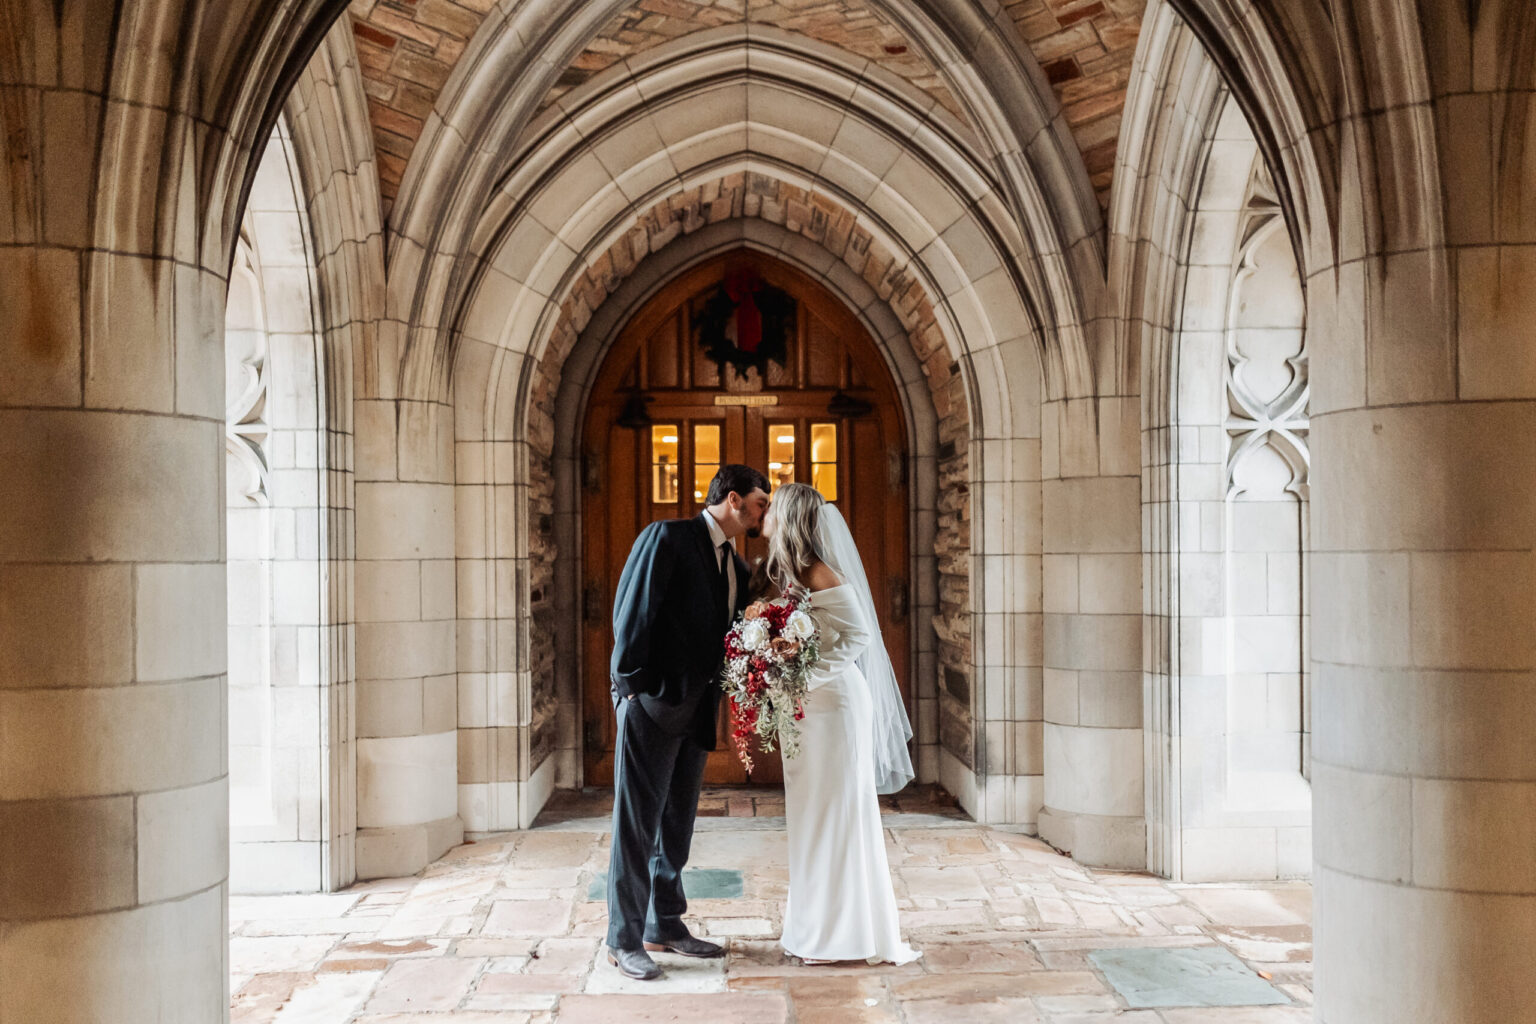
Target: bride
x,y
853,745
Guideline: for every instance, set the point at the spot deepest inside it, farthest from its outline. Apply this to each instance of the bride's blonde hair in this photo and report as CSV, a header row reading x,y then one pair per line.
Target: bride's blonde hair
x,y
794,546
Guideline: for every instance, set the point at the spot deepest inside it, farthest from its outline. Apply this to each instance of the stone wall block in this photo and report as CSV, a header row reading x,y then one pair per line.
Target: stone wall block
x,y
130,354
66,625
63,858
110,732
179,616
1495,303
68,968
42,352
183,840
1412,352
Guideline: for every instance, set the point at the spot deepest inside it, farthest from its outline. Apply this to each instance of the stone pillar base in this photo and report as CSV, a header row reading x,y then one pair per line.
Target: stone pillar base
x,y
1097,840
406,849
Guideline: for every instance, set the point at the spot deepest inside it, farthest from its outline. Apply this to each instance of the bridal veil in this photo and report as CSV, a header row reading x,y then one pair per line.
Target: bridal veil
x,y
892,730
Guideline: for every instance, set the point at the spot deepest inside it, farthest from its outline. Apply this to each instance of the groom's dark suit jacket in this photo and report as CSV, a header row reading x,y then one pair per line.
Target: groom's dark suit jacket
x,y
669,624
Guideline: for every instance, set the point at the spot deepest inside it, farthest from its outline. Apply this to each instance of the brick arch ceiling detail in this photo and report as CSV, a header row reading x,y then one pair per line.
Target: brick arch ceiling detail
x,y
800,211
498,285
409,48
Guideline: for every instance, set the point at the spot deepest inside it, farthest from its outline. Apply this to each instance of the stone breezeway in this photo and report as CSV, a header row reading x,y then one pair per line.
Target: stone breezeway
x,y
506,930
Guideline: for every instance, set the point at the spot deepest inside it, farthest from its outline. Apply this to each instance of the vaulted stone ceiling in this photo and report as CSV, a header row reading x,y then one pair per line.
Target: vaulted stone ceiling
x,y
408,49
850,25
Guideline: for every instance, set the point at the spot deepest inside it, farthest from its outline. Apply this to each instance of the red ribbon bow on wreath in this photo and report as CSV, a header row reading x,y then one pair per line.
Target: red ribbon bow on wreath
x,y
740,287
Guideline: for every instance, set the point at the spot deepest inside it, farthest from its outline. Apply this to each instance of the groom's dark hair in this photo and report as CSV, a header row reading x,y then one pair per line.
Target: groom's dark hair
x,y
734,477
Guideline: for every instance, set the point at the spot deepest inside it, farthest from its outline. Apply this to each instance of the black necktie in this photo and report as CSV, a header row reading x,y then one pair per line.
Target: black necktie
x,y
725,562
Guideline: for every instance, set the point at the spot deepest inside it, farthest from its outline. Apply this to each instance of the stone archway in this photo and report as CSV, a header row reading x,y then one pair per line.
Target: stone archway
x,y
280,760
503,336
683,229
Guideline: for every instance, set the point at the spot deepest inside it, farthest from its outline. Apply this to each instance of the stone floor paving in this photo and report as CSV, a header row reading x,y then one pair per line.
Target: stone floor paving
x,y
503,930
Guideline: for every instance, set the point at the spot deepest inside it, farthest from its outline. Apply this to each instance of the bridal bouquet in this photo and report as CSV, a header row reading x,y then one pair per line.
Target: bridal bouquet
x,y
768,654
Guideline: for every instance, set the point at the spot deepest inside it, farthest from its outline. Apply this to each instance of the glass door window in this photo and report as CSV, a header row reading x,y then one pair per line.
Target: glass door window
x,y
664,450
824,459
781,455
706,458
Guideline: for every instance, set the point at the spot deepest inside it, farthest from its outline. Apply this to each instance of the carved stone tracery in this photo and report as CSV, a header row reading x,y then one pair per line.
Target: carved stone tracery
x,y
246,430
1268,386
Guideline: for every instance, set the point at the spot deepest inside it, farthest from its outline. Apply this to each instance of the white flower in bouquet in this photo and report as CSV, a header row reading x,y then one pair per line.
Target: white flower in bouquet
x,y
754,634
799,626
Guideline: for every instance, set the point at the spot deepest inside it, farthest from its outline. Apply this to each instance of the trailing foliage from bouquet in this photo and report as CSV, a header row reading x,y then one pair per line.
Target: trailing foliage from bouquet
x,y
768,654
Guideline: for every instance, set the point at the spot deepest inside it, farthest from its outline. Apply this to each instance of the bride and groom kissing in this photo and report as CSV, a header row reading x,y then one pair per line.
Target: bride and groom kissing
x,y
682,588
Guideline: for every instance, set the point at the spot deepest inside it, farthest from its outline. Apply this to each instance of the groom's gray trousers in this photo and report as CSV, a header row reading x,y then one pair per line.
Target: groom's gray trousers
x,y
656,782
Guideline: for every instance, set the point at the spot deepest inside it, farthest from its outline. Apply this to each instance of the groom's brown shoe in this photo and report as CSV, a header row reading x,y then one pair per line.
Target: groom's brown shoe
x,y
634,963
688,946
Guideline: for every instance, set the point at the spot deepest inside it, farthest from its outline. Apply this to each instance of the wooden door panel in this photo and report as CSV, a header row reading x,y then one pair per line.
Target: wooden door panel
x,y
657,356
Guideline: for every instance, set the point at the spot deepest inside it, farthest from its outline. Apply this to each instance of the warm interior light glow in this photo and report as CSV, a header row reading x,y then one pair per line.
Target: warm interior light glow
x,y
786,439
669,439
775,465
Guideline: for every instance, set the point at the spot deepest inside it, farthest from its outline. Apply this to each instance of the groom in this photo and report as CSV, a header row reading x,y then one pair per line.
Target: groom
x,y
681,589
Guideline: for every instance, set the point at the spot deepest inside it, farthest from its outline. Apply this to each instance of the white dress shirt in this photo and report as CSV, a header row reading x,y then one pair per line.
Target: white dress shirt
x,y
717,537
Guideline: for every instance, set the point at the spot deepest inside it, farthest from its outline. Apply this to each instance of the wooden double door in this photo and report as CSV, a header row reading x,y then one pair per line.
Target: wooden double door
x,y
663,418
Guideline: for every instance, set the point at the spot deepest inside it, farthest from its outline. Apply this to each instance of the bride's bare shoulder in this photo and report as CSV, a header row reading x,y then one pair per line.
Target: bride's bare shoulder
x,y
820,577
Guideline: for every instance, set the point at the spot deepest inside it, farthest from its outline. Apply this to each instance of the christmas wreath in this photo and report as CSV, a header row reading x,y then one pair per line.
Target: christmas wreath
x,y
745,323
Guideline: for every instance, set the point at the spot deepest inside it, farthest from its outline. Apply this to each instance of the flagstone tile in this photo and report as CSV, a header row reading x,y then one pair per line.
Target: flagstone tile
x,y
527,917
267,908
421,986
417,925
258,1000
330,998
1240,1015
1098,1003
549,984
948,1011
983,987
505,1001
519,947
507,965
1233,906
556,849
350,966
946,883
975,958
391,948
1205,976
846,999
311,926
708,908
461,1017
516,877
1299,993
270,954
743,927
959,917
557,956
714,1008
1273,944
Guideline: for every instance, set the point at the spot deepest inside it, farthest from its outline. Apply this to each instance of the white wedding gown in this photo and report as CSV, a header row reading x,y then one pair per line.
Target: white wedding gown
x,y
841,904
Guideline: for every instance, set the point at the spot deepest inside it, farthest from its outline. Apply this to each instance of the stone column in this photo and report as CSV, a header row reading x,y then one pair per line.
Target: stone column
x,y
407,692
1094,799
1424,523
114,822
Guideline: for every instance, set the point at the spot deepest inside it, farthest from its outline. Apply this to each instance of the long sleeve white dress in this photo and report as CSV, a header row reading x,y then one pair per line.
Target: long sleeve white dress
x,y
841,905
